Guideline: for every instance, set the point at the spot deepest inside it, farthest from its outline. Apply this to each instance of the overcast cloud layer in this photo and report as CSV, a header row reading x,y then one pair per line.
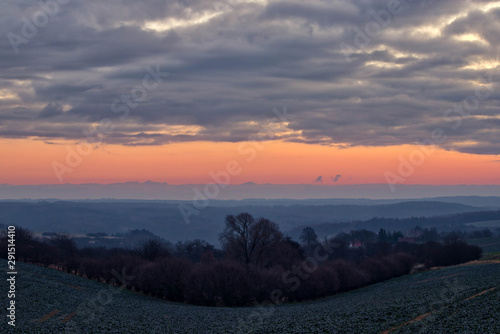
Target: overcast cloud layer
x,y
231,62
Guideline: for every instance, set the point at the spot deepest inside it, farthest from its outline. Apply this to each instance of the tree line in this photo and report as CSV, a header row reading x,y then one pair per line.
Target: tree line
x,y
257,263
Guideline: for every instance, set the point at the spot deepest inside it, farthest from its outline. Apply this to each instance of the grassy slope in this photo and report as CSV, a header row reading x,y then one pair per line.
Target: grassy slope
x,y
49,301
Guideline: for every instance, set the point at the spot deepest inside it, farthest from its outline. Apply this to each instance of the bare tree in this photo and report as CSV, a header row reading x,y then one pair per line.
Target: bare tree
x,y
152,249
193,249
248,240
267,236
66,250
309,237
236,236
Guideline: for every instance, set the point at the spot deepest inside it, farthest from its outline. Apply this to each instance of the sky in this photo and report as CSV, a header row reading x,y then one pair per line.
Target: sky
x,y
284,92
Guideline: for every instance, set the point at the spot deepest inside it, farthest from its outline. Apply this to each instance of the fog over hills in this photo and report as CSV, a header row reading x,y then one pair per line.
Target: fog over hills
x,y
168,219
180,212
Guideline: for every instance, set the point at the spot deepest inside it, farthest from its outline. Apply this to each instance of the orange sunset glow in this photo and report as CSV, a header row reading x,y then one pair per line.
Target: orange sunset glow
x,y
30,162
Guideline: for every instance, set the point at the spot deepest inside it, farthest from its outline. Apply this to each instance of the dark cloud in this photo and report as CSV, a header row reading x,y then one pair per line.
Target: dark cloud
x,y
52,109
231,63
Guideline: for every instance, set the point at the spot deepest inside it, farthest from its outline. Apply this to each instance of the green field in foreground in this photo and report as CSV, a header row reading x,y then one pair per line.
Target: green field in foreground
x,y
459,299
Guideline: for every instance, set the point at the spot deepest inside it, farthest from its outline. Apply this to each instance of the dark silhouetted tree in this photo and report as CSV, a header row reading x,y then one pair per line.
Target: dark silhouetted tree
x,y
309,237
193,250
248,240
152,249
382,235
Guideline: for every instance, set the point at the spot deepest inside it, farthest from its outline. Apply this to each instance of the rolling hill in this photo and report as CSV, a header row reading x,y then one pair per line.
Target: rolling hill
x,y
463,299
165,218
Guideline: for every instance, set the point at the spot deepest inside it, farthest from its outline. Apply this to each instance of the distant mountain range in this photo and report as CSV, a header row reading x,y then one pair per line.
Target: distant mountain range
x,y
163,191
